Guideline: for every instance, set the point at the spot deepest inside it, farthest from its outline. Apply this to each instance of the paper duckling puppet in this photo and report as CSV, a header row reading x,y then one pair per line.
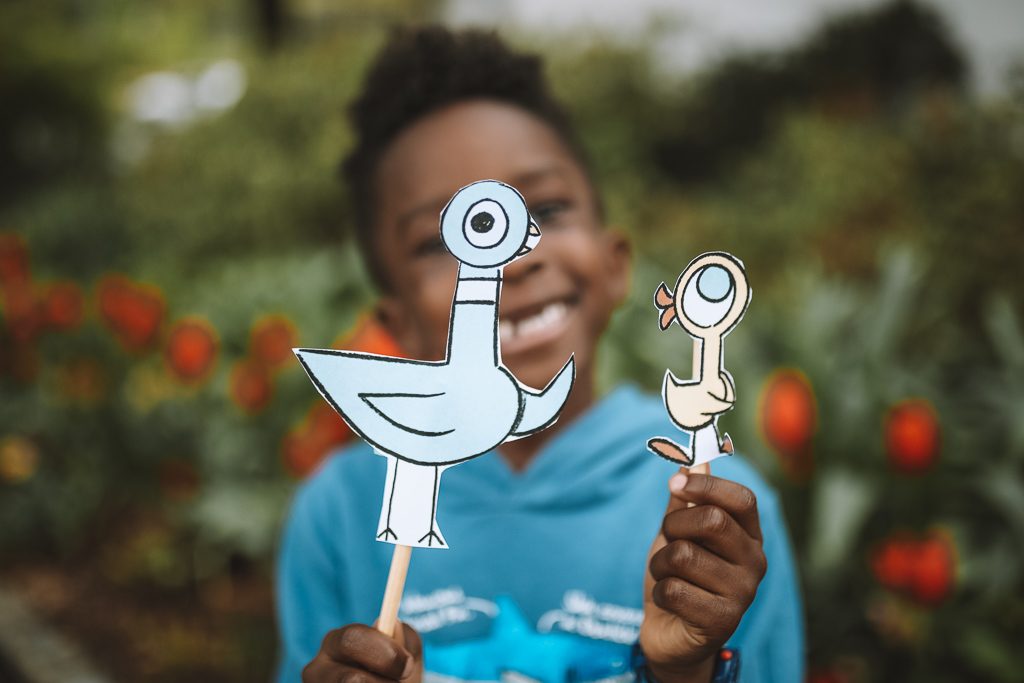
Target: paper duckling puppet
x,y
425,416
709,300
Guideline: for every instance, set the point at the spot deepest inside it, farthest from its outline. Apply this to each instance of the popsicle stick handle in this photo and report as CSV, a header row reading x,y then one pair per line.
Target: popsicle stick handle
x,y
698,360
393,590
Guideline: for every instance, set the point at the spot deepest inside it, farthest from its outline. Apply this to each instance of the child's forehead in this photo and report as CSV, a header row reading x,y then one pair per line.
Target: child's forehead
x,y
462,143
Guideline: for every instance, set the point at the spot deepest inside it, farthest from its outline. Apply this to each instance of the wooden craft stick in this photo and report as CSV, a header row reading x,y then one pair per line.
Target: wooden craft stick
x,y
698,356
388,620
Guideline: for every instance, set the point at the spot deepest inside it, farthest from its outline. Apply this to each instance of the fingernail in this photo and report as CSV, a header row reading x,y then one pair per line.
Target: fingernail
x,y
409,665
677,483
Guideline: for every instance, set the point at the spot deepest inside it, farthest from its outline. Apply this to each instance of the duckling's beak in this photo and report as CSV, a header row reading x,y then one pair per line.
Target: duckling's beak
x,y
532,238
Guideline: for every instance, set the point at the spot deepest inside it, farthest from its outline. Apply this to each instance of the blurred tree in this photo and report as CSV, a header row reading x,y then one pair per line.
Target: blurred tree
x,y
855,64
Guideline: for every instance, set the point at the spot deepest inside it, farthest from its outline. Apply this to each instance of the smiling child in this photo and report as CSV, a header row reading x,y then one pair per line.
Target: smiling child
x,y
565,563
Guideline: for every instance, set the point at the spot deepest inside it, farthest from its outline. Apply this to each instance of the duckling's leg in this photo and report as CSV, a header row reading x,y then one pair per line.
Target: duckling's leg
x,y
432,535
388,531
708,444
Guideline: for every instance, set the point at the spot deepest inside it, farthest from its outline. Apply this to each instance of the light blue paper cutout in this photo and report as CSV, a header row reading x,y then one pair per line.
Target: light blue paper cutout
x,y
710,298
425,416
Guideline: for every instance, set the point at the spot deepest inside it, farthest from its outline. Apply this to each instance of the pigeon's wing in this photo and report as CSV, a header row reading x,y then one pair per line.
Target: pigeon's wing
x,y
539,409
377,393
419,414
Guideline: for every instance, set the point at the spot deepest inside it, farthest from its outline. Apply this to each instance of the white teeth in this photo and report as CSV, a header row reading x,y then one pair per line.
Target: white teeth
x,y
547,317
506,331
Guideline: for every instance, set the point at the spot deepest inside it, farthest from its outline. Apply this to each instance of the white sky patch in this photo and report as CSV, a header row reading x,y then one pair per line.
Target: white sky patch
x,y
695,32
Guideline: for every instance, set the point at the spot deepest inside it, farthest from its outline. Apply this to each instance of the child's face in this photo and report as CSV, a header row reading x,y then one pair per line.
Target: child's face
x,y
556,300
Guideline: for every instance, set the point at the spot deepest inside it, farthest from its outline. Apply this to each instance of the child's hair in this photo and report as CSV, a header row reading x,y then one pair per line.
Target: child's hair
x,y
423,69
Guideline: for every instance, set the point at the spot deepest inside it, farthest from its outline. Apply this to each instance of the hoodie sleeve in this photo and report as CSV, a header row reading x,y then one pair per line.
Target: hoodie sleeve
x,y
310,600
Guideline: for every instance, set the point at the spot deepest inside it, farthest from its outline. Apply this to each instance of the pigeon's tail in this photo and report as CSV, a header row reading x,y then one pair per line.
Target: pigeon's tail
x,y
539,409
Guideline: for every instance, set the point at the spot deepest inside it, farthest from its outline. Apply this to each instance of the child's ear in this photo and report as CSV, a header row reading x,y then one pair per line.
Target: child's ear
x,y
390,311
619,264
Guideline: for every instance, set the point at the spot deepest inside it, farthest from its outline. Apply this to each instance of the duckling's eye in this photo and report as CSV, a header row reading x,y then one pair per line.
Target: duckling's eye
x,y
485,224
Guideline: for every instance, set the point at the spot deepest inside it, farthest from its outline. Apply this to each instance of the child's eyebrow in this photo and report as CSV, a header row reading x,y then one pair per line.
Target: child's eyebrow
x,y
430,207
539,175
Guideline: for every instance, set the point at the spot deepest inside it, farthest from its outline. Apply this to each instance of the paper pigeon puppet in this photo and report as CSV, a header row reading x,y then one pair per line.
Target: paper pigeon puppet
x,y
426,416
710,298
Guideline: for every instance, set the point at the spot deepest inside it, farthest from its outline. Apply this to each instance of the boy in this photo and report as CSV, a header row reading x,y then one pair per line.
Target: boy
x,y
552,574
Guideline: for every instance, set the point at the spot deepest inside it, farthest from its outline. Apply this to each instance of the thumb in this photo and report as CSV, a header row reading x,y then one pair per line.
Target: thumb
x,y
677,483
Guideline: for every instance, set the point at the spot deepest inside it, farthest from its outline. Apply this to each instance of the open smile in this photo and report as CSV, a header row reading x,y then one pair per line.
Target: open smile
x,y
529,328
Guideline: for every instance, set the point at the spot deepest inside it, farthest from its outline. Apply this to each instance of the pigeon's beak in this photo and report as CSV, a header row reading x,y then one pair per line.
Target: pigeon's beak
x,y
532,238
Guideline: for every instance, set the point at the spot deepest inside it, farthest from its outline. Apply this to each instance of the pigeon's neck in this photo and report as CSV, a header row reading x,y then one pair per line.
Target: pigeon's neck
x,y
473,335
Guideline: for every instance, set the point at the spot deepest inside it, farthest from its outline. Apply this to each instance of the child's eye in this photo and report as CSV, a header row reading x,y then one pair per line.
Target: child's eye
x,y
429,247
549,213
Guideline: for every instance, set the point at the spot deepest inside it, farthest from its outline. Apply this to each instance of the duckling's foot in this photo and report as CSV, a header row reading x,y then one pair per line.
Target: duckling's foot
x,y
388,532
430,537
670,450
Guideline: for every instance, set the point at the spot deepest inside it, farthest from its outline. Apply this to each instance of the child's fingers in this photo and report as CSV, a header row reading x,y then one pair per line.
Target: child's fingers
x,y
699,608
713,528
369,649
736,499
692,563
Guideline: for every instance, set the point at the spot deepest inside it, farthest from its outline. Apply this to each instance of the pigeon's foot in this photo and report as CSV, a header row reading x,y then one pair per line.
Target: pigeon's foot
x,y
726,446
430,537
387,532
670,450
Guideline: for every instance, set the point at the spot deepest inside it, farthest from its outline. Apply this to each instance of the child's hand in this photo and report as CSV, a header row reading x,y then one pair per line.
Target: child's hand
x,y
704,569
360,654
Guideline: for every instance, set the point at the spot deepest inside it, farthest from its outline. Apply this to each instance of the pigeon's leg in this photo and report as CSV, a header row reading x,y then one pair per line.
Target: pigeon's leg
x,y
388,531
432,535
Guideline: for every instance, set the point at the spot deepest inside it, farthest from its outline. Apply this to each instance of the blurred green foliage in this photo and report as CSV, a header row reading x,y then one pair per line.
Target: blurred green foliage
x,y
876,205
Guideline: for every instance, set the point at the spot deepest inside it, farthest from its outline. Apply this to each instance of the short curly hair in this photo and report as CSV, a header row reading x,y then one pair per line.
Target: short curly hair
x,y
420,70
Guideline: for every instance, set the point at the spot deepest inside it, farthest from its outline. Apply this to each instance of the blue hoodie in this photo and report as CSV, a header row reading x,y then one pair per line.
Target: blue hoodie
x,y
545,572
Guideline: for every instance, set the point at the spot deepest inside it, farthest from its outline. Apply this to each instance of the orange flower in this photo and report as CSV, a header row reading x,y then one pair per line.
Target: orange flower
x,y
788,419
369,336
893,562
62,306
912,436
251,388
272,339
921,568
191,349
934,570
133,311
305,446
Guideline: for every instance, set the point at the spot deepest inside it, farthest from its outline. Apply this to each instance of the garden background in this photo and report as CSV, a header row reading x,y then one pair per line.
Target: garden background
x,y
171,223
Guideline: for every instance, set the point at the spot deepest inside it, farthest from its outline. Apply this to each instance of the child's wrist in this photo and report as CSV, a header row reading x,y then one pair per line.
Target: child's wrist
x,y
722,667
699,672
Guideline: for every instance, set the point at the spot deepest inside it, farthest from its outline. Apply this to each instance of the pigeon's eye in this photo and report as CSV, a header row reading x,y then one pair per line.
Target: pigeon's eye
x,y
486,224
